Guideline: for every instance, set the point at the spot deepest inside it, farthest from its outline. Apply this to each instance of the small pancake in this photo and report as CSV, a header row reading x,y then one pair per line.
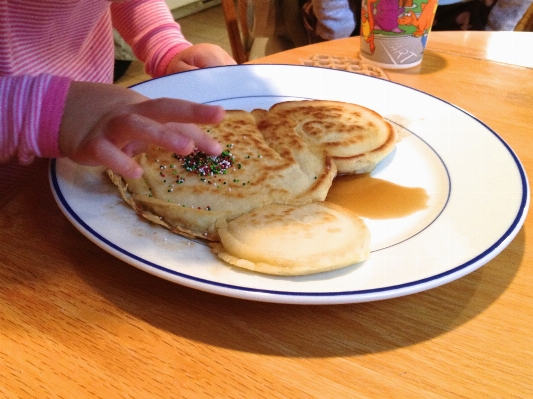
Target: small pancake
x,y
294,240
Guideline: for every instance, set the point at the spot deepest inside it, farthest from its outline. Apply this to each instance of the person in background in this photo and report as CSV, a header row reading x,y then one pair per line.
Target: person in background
x,y
56,91
331,19
336,19
509,15
463,15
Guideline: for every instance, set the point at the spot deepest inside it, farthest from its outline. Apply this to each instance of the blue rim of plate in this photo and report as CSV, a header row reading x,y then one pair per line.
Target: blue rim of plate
x,y
350,296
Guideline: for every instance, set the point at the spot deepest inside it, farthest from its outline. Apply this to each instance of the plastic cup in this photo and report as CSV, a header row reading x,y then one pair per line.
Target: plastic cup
x,y
394,33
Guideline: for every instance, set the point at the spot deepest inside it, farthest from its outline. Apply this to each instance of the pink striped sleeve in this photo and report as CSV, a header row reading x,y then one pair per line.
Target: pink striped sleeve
x,y
150,29
31,116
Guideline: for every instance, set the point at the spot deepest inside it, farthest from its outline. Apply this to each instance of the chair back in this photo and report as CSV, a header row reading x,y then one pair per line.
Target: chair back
x,y
235,21
526,22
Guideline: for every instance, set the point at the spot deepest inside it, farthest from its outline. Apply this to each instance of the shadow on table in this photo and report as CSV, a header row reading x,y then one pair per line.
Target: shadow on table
x,y
431,63
302,331
254,327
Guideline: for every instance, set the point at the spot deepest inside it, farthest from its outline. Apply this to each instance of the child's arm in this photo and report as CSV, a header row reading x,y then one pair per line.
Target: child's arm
x,y
156,39
30,116
95,123
201,55
105,125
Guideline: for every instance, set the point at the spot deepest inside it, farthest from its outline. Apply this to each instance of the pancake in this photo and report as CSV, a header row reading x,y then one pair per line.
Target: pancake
x,y
173,192
294,240
288,155
355,138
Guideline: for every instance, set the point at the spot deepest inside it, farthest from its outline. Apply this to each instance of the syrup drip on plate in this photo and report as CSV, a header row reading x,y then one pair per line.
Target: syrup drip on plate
x,y
374,198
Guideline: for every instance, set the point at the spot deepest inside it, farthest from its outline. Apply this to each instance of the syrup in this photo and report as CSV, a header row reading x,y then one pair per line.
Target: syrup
x,y
374,198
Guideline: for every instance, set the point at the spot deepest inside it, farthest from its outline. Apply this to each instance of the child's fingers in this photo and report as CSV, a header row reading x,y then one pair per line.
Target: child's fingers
x,y
100,151
126,133
129,131
181,66
126,128
202,141
166,110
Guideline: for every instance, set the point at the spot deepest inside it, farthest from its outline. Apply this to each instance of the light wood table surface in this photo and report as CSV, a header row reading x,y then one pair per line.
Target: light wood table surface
x,y
75,322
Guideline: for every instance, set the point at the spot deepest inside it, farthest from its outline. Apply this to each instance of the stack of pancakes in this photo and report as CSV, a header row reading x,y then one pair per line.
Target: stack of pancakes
x,y
261,202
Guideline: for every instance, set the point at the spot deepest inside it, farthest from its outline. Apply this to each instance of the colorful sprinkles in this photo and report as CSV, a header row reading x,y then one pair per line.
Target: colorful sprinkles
x,y
205,165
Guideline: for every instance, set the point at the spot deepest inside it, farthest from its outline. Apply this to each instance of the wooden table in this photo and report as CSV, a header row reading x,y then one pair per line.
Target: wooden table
x,y
76,322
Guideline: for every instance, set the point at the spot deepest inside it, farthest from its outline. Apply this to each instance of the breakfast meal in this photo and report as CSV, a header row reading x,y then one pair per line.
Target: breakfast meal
x,y
277,164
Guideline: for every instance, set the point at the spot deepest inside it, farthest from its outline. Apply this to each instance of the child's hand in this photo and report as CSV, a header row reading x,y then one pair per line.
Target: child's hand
x,y
199,56
104,124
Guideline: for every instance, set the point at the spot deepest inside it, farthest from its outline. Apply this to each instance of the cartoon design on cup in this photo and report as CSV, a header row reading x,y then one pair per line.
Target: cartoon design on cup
x,y
386,16
367,23
394,32
423,22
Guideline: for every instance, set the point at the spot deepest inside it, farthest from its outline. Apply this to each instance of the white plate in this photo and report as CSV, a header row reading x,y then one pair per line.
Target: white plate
x,y
477,188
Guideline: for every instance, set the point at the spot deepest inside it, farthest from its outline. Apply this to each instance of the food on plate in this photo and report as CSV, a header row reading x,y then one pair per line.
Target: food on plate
x,y
287,155
188,194
293,240
355,138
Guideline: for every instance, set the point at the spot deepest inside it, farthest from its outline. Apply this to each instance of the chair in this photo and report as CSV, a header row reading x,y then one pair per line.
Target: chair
x,y
235,20
251,19
526,22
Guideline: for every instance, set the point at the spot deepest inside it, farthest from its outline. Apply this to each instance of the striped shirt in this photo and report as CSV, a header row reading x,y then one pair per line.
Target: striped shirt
x,y
45,44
